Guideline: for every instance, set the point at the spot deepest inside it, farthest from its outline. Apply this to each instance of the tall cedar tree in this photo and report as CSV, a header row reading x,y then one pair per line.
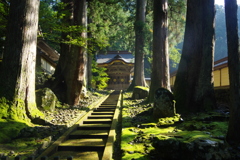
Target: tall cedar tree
x,y
193,88
139,79
69,75
17,82
234,71
160,65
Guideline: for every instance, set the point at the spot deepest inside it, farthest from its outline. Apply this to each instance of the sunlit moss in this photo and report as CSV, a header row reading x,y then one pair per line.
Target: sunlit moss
x,y
143,88
137,156
169,120
10,129
202,126
127,135
4,107
22,147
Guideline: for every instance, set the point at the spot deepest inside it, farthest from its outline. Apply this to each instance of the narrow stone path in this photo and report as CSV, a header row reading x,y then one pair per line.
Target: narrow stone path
x,y
93,137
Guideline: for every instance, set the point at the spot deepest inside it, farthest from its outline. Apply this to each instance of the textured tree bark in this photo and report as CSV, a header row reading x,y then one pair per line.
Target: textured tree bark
x,y
17,82
139,78
59,84
160,65
234,71
194,70
70,72
204,98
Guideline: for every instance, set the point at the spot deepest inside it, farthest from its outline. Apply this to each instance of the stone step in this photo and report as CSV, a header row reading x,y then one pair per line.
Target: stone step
x,y
87,144
89,134
104,110
110,108
100,117
94,127
97,121
107,105
102,113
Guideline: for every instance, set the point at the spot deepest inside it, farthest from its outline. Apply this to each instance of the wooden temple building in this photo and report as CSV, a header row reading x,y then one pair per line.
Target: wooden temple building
x,y
119,66
220,74
46,59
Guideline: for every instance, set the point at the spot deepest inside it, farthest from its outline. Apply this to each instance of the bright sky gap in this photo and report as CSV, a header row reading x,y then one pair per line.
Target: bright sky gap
x,y
221,2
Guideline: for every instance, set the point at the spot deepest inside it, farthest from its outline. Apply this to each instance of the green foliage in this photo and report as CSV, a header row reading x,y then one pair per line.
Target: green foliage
x,y
108,23
4,9
73,37
49,21
174,58
176,19
99,76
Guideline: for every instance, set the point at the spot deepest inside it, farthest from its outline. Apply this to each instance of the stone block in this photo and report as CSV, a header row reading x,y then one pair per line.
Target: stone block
x,y
164,104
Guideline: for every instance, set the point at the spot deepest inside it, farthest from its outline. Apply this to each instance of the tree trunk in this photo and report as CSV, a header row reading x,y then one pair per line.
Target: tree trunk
x,y
160,65
139,78
17,82
234,71
194,70
205,99
59,84
70,72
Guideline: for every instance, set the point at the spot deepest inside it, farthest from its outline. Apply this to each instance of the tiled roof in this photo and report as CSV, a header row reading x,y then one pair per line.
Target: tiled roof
x,y
113,55
47,50
221,63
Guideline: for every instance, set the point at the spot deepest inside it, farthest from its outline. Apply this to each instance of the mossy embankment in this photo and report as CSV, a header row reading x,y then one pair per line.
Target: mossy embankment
x,y
194,136
23,138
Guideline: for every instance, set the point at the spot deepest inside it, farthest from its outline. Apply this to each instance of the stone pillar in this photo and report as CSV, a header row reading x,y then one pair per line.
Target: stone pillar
x,y
164,104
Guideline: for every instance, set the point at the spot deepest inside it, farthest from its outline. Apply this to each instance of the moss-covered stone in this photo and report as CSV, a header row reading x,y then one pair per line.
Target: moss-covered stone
x,y
164,104
46,99
140,92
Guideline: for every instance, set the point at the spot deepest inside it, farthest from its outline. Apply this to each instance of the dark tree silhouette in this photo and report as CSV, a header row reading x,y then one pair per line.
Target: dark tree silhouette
x,y
193,88
160,66
234,71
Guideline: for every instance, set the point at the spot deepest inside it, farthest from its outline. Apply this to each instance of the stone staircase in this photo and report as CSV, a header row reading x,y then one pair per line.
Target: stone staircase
x,y
90,138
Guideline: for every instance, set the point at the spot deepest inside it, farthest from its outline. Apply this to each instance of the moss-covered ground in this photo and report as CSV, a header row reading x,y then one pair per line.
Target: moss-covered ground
x,y
19,138
139,129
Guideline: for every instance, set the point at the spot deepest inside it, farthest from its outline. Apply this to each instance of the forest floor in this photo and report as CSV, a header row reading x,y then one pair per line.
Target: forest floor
x,y
19,139
195,136
186,137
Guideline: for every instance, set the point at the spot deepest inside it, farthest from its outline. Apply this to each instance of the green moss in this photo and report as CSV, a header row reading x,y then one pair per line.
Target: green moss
x,y
10,129
137,156
4,107
143,88
127,135
169,120
18,113
203,126
131,148
22,147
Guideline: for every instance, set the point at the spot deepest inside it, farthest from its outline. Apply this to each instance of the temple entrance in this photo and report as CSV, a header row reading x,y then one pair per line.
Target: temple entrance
x,y
119,70
119,75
